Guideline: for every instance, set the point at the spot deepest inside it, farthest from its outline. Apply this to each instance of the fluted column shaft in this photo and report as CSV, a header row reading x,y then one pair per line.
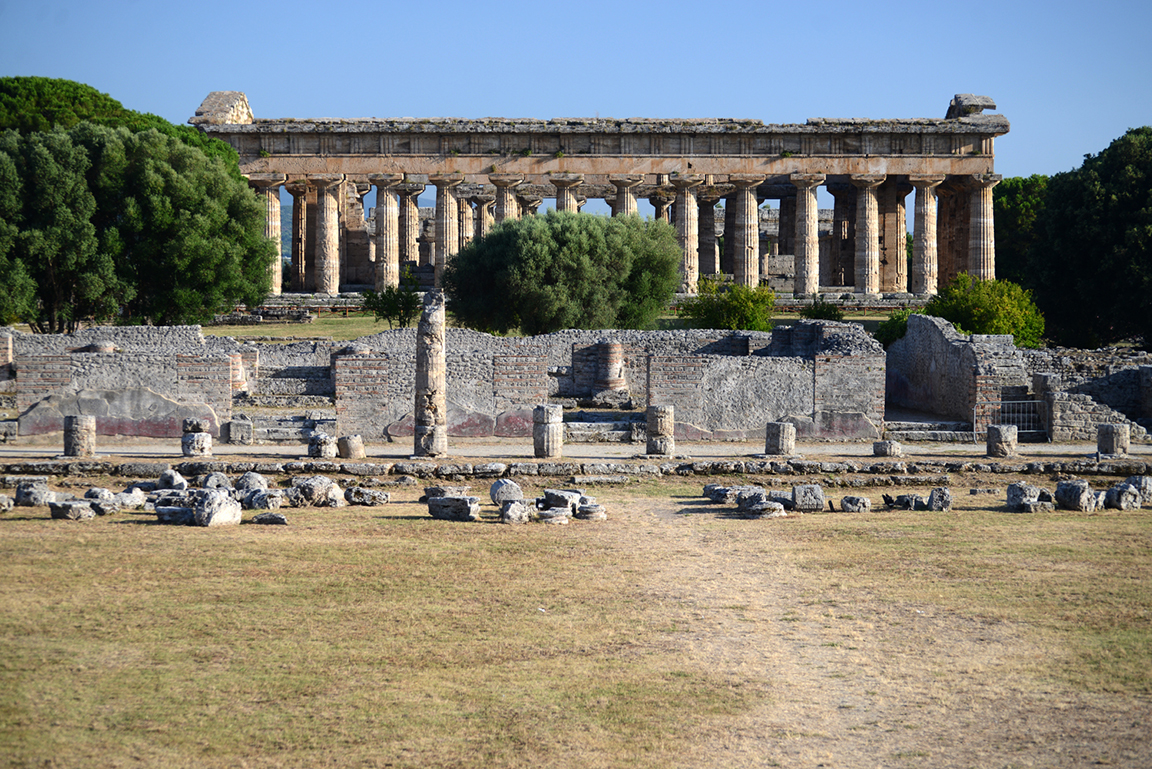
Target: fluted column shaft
x,y
807,243
839,269
484,221
746,237
661,204
430,413
467,226
687,230
925,267
981,230
566,185
387,229
507,207
867,233
529,204
327,232
268,187
625,203
299,192
409,220
447,221
707,260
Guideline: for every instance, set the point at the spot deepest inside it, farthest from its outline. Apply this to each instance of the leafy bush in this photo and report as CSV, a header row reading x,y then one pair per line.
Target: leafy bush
x,y
541,274
396,304
895,327
822,310
989,307
730,306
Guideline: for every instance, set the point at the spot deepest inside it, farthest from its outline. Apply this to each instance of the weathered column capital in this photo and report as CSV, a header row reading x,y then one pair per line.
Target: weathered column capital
x,y
744,181
262,181
805,181
506,180
565,180
445,180
529,203
686,181
867,181
297,187
625,181
385,181
925,181
566,185
410,188
984,180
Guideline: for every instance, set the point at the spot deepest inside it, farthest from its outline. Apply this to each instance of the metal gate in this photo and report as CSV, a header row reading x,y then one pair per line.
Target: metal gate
x,y
1027,415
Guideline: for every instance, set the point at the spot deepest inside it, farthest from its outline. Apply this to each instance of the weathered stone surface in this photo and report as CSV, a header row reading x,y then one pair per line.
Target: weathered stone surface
x,y
548,431
263,499
130,411
216,507
195,425
749,496
1075,495
661,429
270,519
431,492
322,446
72,510
808,497
6,503
239,432
79,436
216,481
557,498
176,515
517,511
358,495
780,438
351,447
1021,494
940,499
1002,440
34,495
591,512
489,470
1113,439
454,508
430,431
887,449
765,509
855,504
170,479
1122,497
1142,484
503,491
251,480
315,491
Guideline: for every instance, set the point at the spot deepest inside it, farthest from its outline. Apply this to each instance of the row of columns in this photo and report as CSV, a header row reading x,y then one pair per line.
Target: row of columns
x,y
398,225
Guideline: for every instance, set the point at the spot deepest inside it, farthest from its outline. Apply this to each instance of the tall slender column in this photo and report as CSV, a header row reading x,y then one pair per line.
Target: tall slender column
x,y
807,243
893,235
408,192
925,268
268,187
447,221
507,206
566,185
466,225
708,258
746,238
430,431
728,257
840,265
484,204
625,202
981,230
299,191
786,225
687,229
387,229
327,232
867,233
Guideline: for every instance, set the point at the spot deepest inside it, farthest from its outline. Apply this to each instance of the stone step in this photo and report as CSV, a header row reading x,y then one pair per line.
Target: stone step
x,y
598,432
941,426
930,436
614,417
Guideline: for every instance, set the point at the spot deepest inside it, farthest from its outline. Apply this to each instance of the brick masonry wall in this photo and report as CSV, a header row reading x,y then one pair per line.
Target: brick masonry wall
x,y
206,379
519,381
361,387
39,376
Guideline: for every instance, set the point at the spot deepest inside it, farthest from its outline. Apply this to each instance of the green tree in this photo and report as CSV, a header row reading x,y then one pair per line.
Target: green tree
x,y
540,274
1017,203
822,310
18,299
396,304
722,305
989,307
1091,264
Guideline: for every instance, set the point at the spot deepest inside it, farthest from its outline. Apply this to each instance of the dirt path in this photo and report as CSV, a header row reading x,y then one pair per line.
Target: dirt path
x,y
852,681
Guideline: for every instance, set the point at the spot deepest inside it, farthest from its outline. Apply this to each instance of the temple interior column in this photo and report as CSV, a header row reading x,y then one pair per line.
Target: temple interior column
x,y
952,226
299,191
327,232
981,228
707,258
687,229
867,233
625,202
447,221
893,235
566,185
746,235
661,202
466,225
529,204
387,229
484,221
807,243
728,256
507,207
268,187
842,253
786,229
407,193
925,255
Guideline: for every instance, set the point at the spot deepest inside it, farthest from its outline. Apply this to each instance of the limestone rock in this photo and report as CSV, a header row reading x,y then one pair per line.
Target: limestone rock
x,y
454,508
591,512
72,510
855,504
263,499
431,492
34,495
1075,495
765,509
170,479
99,493
358,495
1142,484
322,446
195,425
216,481
350,447
216,507
132,499
940,499
505,490
490,470
556,498
251,480
887,449
315,491
196,444
517,511
1122,497
808,497
270,519
177,515
1021,494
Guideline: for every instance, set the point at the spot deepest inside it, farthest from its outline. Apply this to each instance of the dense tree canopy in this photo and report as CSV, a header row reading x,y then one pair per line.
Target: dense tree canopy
x,y
544,273
1016,206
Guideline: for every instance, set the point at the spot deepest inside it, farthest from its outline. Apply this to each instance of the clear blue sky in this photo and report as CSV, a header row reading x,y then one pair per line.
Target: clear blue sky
x,y
1070,77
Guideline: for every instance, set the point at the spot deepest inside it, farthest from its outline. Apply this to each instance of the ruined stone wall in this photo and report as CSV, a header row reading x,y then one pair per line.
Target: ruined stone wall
x,y
932,369
1110,376
146,339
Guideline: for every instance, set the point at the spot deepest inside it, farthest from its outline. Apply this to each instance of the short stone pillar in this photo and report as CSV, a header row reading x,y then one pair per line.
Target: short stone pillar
x,y
548,431
780,438
430,433
322,446
887,449
79,436
1002,440
1112,439
351,447
196,444
609,367
661,428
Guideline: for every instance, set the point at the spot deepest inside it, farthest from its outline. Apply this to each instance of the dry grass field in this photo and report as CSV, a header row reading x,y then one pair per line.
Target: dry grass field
x,y
674,634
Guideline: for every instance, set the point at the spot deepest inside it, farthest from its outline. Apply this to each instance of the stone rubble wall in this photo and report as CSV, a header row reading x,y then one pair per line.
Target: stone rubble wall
x,y
1075,417
1114,377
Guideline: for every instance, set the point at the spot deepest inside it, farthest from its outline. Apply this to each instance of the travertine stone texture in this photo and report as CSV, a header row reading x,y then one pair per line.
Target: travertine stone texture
x,y
431,408
1113,439
566,185
981,238
867,234
507,207
687,229
268,188
327,233
625,202
746,231
661,429
79,436
1002,440
447,220
807,244
548,431
387,229
925,269
780,438
350,447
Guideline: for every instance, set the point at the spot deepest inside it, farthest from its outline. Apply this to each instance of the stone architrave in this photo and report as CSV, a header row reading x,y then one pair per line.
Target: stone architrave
x,y
548,431
746,234
687,229
661,430
867,233
484,220
327,232
625,202
79,436
566,185
925,257
447,221
807,244
268,187
407,193
387,229
507,207
981,232
299,192
431,408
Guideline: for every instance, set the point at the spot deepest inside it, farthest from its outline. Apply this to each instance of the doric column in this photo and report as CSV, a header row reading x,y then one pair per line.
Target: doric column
x,y
507,206
387,229
981,231
581,201
746,237
807,243
687,231
467,228
867,233
327,232
893,235
786,225
925,268
661,202
430,431
484,221
728,258
268,187
299,191
529,204
566,185
407,193
707,258
625,202
839,269
447,221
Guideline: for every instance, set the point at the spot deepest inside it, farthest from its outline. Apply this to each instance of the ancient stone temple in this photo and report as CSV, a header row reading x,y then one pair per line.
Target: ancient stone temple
x,y
491,169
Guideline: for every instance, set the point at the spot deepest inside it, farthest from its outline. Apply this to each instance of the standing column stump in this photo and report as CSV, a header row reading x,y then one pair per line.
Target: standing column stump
x,y
780,438
1002,440
661,429
79,436
1112,439
196,441
430,434
548,431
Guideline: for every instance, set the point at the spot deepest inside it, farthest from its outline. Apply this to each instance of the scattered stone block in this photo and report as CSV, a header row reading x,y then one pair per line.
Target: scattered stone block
x,y
1122,497
940,500
72,510
6,503
216,481
503,491
170,479
855,504
251,480
270,519
1075,495
454,508
1142,484
1022,495
430,492
34,494
766,509
216,507
315,491
358,495
322,446
239,432
176,515
591,512
196,444
489,470
808,498
351,447
780,438
887,449
563,499
1113,439
517,511
263,499
1002,440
